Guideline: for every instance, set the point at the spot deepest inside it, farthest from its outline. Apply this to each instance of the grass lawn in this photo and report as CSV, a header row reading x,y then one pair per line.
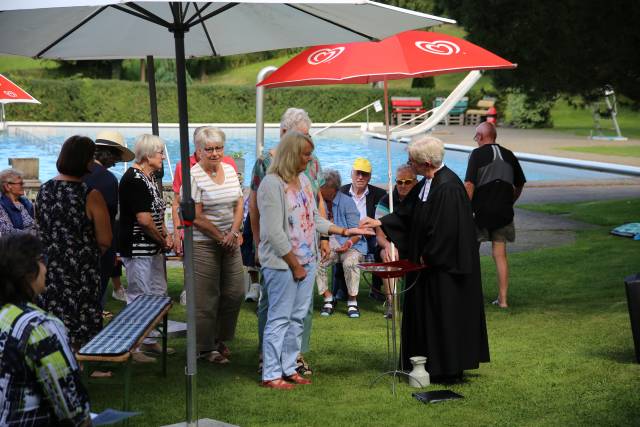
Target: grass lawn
x,y
561,355
628,151
14,63
580,121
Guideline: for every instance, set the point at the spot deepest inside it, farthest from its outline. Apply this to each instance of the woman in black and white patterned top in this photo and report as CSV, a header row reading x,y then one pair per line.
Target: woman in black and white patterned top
x,y
143,233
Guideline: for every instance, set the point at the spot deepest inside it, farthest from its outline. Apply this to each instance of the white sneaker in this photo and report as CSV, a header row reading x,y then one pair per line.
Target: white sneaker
x,y
183,298
254,293
118,294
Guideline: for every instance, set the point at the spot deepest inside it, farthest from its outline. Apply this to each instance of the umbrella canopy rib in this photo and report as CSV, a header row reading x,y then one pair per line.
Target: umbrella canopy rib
x,y
212,14
206,32
198,13
368,37
146,14
147,17
71,31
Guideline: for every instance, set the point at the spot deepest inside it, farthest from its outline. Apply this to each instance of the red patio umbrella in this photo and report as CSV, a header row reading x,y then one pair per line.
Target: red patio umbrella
x,y
11,92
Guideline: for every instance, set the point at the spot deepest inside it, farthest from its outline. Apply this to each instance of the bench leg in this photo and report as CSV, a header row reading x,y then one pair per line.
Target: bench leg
x,y
165,333
127,384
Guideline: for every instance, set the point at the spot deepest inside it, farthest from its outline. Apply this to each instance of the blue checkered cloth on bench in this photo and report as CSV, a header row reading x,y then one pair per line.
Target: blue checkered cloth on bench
x,y
126,328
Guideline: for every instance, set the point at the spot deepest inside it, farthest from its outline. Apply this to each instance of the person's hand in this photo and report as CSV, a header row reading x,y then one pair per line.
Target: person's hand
x,y
325,249
345,247
387,255
299,273
228,240
369,223
168,243
361,231
177,243
239,241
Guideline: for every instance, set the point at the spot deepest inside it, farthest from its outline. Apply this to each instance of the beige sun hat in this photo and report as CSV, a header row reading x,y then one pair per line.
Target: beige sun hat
x,y
113,139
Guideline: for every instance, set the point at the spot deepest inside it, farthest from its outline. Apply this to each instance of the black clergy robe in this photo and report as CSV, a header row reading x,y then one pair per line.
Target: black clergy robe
x,y
443,312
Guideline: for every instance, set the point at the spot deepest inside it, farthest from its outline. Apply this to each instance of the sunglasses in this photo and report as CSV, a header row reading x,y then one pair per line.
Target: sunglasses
x,y
363,173
404,181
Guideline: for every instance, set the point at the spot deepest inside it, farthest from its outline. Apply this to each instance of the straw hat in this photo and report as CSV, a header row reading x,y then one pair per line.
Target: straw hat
x,y
113,139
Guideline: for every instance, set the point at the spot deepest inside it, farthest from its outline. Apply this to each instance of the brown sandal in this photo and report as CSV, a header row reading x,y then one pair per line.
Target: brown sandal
x,y
278,384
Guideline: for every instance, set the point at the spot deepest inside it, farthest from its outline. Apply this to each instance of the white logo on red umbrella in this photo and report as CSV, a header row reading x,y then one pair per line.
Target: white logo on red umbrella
x,y
438,47
324,55
10,93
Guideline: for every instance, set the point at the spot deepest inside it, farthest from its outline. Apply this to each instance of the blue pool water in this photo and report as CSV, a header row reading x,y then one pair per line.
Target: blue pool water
x,y
336,148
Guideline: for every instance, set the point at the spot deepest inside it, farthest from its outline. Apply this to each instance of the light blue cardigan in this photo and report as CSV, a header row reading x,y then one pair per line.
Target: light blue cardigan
x,y
274,225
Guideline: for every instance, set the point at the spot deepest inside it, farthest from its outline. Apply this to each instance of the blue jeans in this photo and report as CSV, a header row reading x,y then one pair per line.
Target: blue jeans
x,y
289,302
263,309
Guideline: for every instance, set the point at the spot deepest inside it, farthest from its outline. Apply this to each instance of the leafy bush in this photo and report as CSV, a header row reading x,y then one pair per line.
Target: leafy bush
x,y
524,111
87,100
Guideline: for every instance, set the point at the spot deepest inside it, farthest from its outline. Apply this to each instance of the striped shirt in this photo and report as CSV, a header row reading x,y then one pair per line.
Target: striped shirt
x,y
139,193
218,200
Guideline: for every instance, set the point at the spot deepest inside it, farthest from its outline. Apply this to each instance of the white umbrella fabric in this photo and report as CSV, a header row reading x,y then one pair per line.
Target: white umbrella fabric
x,y
116,29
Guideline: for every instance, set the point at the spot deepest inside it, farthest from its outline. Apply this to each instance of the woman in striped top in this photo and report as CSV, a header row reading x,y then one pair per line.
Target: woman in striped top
x,y
219,283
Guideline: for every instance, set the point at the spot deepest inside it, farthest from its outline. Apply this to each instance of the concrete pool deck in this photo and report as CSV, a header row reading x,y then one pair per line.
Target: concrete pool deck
x,y
540,141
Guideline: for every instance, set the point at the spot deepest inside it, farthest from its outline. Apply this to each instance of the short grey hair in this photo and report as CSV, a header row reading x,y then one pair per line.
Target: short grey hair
x,y
8,175
293,118
405,168
332,178
196,131
146,146
427,149
208,134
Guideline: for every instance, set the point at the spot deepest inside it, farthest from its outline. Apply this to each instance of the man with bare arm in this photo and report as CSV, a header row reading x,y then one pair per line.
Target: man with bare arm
x,y
494,181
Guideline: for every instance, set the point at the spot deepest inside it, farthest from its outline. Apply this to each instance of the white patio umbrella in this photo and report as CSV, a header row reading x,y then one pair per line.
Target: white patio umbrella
x,y
117,29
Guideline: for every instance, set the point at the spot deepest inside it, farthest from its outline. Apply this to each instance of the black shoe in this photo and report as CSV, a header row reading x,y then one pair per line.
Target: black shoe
x,y
327,309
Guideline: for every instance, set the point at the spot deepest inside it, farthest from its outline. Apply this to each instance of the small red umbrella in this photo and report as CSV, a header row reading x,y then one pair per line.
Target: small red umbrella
x,y
407,54
11,92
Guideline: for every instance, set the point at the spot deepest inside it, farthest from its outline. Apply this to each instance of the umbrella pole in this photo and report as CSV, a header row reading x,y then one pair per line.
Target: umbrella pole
x,y
153,109
393,282
187,208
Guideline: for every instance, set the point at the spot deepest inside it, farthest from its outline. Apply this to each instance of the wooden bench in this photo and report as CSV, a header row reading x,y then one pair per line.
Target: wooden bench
x,y
456,115
125,333
474,116
405,108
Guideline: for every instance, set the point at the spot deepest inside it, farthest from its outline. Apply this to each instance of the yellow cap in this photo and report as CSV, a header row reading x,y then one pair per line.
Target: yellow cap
x,y
362,164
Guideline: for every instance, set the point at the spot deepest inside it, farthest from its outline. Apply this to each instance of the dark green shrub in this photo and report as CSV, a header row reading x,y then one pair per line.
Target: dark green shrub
x,y
87,100
524,111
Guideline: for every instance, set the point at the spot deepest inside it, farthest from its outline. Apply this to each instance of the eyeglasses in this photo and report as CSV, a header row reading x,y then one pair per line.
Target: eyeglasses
x,y
16,182
211,150
161,152
363,174
404,181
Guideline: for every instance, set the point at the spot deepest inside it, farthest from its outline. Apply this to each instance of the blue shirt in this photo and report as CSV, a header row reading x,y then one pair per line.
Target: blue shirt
x,y
346,214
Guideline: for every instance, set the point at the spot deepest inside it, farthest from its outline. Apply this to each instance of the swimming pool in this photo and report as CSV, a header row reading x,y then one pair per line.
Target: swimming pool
x,y
336,148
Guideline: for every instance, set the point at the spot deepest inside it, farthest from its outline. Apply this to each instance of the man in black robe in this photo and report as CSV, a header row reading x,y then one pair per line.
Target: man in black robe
x,y
443,312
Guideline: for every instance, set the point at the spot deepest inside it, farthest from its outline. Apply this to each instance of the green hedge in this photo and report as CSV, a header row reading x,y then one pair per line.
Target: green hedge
x,y
86,100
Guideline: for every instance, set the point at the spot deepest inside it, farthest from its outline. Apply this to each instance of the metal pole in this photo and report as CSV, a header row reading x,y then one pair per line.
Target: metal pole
x,y
153,109
260,109
153,99
187,208
3,123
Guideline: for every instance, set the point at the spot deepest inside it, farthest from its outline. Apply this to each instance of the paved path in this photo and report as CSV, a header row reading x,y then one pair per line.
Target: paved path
x,y
536,230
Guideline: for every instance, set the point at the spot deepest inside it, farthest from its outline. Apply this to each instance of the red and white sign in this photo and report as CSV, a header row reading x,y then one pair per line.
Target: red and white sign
x,y
10,92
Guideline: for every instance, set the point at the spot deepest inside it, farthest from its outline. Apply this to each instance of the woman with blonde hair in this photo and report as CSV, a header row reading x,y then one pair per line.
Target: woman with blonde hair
x,y
219,276
288,253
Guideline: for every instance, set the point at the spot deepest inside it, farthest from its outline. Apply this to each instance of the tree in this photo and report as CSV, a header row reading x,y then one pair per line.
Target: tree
x,y
571,47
